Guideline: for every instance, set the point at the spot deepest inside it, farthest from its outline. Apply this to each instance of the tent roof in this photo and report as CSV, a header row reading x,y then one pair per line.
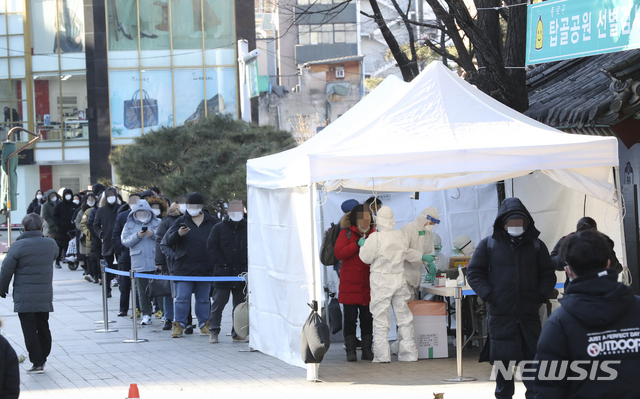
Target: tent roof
x,y
433,133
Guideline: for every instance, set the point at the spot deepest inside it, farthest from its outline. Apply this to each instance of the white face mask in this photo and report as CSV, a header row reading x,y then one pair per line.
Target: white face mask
x,y
156,212
235,216
76,201
429,227
67,197
183,208
194,212
142,216
39,196
111,199
91,203
53,199
515,231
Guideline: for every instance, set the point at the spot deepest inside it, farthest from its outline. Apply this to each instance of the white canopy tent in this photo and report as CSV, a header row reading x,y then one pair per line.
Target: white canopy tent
x,y
435,133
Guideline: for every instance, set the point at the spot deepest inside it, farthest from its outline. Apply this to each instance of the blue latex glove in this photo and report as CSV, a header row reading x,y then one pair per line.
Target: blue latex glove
x,y
361,242
428,258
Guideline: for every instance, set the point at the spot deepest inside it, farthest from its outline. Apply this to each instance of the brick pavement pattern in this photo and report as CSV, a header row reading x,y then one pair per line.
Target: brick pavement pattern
x,y
85,364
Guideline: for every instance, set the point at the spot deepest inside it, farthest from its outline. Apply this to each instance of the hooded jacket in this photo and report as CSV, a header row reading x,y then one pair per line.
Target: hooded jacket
x,y
124,258
142,250
105,220
514,279
420,240
47,215
597,314
354,286
63,217
188,254
173,213
36,204
30,262
227,248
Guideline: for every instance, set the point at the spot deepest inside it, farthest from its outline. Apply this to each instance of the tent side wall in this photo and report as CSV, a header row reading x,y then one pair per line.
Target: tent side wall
x,y
279,227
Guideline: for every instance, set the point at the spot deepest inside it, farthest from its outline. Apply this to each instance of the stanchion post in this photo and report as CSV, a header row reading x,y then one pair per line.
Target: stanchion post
x,y
105,305
459,378
135,313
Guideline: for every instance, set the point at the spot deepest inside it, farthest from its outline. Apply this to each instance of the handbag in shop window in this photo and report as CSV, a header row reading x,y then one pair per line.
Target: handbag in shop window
x,y
134,110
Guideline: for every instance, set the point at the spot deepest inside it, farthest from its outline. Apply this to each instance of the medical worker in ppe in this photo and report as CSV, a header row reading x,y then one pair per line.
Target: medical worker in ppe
x,y
442,261
419,237
385,250
463,246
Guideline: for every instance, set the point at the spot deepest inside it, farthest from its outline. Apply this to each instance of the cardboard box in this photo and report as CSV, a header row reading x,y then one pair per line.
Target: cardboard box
x,y
456,261
430,325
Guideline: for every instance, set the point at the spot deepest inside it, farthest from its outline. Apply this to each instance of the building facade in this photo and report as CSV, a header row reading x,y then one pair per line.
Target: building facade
x,y
93,74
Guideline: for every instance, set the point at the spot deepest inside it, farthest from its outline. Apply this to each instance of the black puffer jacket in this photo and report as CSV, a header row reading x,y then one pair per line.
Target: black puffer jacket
x,y
9,371
161,259
514,279
121,251
559,264
227,247
63,217
598,314
188,254
30,262
96,244
105,220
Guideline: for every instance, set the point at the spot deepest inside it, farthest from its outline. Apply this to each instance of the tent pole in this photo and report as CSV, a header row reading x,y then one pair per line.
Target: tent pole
x,y
312,369
618,187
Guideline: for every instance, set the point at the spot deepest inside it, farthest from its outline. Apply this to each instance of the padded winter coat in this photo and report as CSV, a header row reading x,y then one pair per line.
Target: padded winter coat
x,y
47,214
599,321
188,254
63,217
142,250
104,222
9,371
354,286
163,227
227,248
30,262
514,279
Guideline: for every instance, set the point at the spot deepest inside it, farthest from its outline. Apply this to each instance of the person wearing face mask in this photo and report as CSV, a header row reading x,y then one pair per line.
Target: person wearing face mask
x,y
139,236
385,250
46,212
83,238
103,225
227,248
442,261
463,246
177,209
122,253
512,272
63,218
34,206
419,236
90,205
186,243
354,289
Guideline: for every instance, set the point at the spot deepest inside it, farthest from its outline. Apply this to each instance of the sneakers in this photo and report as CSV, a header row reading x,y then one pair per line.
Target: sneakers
x,y
159,314
237,338
189,329
137,314
213,338
204,330
146,320
36,370
177,330
58,265
167,325
109,294
88,278
122,314
114,282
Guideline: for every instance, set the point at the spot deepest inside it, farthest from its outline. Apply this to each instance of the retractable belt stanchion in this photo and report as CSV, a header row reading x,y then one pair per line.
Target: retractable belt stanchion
x,y
105,305
135,313
459,378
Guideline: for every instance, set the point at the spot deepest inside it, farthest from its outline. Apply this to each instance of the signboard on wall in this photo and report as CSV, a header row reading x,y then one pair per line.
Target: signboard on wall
x,y
252,78
25,157
564,29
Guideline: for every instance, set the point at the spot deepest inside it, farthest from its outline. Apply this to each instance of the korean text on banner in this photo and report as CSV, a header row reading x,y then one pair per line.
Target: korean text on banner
x,y
564,29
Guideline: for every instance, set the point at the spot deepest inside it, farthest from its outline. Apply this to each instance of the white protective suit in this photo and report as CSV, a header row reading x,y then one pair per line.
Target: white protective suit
x,y
420,240
385,251
463,246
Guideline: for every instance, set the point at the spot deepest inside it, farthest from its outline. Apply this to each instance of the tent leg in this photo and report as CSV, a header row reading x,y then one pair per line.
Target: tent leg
x,y
618,187
312,372
312,369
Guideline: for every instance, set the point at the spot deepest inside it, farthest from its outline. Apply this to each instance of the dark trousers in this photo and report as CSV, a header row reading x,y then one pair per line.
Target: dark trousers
x,y
62,252
351,319
37,336
108,276
94,266
220,299
124,284
506,388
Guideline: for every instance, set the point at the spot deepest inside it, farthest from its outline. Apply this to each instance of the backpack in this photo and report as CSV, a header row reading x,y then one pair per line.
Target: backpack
x,y
327,257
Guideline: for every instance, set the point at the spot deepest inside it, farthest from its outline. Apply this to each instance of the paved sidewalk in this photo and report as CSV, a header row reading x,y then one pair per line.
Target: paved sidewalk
x,y
85,364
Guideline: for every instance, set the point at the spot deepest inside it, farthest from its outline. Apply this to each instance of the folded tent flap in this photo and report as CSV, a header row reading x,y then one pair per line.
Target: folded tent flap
x,y
428,308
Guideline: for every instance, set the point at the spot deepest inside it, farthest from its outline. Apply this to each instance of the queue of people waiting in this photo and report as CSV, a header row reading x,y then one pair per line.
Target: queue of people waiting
x,y
150,234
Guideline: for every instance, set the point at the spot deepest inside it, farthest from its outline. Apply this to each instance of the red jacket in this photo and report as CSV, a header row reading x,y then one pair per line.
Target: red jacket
x,y
354,274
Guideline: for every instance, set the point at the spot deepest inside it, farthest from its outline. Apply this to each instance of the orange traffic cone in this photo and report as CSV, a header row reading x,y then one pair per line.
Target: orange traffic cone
x,y
133,392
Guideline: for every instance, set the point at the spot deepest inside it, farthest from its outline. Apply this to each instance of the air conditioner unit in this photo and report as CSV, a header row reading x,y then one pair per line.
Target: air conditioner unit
x,y
339,72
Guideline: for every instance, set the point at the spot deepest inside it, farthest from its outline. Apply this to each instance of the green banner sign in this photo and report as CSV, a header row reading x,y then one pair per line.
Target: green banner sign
x,y
563,29
252,78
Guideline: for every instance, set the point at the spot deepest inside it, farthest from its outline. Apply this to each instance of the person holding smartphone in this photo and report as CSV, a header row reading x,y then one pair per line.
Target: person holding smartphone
x,y
139,236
